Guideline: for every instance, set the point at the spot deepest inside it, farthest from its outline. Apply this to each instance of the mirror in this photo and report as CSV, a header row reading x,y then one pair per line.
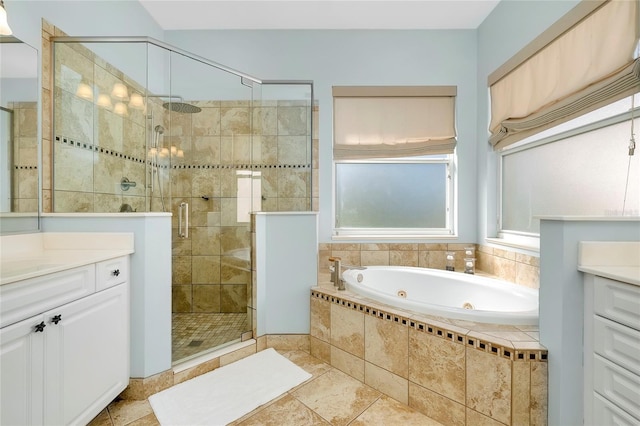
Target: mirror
x,y
19,137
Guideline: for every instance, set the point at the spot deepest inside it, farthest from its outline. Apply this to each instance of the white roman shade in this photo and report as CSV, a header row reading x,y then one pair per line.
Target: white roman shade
x,y
588,65
393,122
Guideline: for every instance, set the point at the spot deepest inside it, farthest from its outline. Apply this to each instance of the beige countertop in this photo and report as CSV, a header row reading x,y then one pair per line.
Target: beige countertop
x,y
32,255
617,260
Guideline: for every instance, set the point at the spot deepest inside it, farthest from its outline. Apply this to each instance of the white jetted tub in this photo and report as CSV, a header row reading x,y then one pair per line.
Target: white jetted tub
x,y
447,294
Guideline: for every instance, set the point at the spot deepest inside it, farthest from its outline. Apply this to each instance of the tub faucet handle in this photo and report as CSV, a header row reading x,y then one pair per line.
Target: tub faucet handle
x,y
335,272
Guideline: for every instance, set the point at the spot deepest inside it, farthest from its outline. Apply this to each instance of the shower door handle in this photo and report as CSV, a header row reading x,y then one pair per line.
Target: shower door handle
x,y
183,213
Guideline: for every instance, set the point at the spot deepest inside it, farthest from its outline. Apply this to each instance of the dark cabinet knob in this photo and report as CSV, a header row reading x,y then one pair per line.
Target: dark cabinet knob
x,y
115,272
40,327
56,319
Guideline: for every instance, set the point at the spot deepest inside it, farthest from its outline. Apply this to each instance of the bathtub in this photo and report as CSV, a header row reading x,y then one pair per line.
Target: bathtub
x,y
446,294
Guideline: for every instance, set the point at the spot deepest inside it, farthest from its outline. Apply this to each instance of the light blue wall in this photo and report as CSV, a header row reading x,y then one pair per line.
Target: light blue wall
x,y
81,18
333,58
509,27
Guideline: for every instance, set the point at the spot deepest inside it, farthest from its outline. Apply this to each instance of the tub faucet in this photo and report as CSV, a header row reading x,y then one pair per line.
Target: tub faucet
x,y
336,272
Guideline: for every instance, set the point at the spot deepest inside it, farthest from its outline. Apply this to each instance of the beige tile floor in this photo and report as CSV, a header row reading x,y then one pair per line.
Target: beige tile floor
x,y
330,397
193,333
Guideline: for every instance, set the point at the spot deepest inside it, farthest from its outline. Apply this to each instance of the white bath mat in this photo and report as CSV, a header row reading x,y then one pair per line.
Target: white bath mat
x,y
227,393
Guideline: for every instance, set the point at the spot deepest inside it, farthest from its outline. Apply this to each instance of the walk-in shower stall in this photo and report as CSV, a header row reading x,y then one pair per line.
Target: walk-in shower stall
x,y
141,126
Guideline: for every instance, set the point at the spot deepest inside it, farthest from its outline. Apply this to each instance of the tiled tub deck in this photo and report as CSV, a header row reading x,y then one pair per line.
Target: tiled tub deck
x,y
456,372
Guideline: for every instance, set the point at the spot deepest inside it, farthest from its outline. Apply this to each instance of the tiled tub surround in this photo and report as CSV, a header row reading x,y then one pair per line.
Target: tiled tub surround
x,y
506,265
456,372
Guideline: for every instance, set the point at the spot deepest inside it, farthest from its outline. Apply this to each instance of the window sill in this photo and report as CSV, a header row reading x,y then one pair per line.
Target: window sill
x,y
528,246
389,237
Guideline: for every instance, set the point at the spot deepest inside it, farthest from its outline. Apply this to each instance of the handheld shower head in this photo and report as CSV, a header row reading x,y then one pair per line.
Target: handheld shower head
x,y
159,129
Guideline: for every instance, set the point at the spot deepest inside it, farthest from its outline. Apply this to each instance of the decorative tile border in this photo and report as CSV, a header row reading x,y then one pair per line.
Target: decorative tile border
x,y
425,327
18,167
95,148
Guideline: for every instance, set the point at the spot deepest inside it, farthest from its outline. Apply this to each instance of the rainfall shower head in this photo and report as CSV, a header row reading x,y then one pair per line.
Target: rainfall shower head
x,y
181,107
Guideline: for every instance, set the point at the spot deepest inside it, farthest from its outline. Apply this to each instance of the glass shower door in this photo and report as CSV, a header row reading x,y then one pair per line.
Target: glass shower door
x,y
208,134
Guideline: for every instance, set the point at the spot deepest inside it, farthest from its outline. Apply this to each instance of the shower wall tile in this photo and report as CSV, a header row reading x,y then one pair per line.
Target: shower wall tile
x,y
107,172
228,183
181,270
133,139
181,184
347,363
489,385
70,177
106,202
233,297
181,300
229,212
292,149
437,364
347,330
235,120
205,182
265,121
108,129
178,124
204,270
27,117
65,201
233,238
206,149
206,122
207,298
77,121
436,406
292,120
265,149
292,183
386,382
386,345
72,69
269,183
232,274
293,204
235,149
205,241
204,212
504,268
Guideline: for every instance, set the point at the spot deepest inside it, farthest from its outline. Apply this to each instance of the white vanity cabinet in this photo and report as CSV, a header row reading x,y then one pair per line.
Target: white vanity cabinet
x,y
611,352
64,344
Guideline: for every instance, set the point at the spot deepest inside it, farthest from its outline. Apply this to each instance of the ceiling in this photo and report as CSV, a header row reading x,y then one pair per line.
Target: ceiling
x,y
318,14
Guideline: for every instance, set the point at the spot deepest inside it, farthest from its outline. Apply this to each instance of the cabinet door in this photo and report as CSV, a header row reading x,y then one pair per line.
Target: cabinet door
x,y
87,356
21,368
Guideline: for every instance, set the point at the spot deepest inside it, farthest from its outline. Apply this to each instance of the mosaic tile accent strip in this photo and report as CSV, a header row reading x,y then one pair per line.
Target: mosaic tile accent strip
x,y
17,167
113,153
423,326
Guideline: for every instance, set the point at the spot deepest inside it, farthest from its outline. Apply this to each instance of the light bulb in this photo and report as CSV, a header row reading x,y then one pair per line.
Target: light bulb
x,y
164,152
180,153
120,91
120,109
104,101
137,101
174,150
5,30
84,91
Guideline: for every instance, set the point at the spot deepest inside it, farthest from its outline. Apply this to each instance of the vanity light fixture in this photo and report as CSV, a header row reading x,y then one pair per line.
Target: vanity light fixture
x,y
84,91
136,101
104,101
120,108
120,91
5,30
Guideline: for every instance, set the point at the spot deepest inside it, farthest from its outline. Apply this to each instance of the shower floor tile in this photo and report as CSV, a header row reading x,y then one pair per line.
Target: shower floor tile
x,y
193,333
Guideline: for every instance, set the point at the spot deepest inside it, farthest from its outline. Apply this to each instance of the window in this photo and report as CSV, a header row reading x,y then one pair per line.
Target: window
x,y
580,168
394,162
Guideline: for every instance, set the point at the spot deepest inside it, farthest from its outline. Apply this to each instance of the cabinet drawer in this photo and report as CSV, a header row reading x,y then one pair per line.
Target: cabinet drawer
x,y
617,301
617,384
112,272
26,298
617,343
605,413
